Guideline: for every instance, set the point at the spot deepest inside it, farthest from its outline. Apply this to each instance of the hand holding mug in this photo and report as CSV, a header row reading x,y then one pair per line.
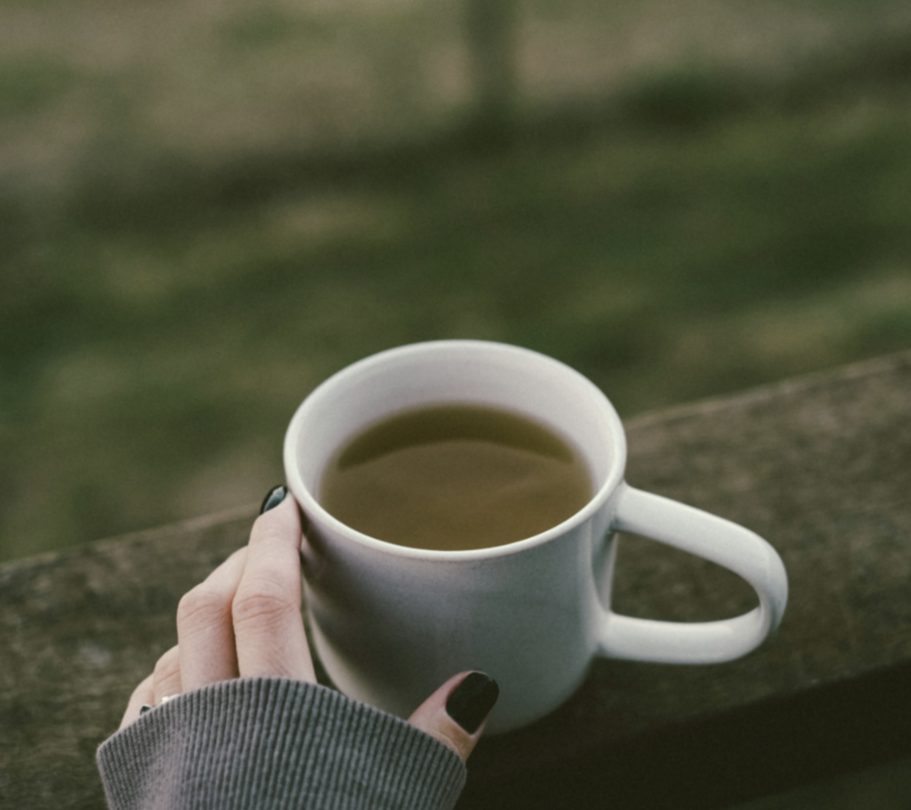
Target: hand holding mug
x,y
244,621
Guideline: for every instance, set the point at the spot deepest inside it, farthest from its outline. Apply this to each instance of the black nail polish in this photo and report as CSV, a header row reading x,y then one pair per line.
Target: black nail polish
x,y
274,497
472,701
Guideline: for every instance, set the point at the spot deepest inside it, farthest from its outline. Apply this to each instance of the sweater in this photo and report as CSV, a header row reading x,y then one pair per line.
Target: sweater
x,y
271,744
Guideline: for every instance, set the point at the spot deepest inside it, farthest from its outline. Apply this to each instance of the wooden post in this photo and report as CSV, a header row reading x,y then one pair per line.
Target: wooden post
x,y
490,27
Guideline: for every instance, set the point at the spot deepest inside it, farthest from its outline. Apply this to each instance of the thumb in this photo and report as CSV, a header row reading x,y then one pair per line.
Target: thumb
x,y
457,712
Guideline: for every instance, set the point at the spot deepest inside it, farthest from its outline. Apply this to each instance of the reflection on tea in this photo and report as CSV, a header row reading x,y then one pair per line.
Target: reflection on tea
x,y
455,477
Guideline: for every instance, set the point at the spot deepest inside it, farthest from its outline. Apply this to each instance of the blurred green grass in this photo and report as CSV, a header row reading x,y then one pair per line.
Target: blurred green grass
x,y
174,284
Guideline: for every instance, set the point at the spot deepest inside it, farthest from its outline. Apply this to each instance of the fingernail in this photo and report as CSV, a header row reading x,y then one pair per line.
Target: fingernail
x,y
274,497
472,700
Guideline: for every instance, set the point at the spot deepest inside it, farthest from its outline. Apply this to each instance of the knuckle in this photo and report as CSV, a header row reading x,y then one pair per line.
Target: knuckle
x,y
201,606
167,665
263,603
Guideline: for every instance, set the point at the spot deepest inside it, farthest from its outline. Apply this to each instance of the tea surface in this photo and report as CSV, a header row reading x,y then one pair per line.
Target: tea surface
x,y
455,477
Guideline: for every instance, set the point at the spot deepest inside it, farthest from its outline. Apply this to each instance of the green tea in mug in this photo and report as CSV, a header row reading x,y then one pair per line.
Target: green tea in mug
x,y
455,477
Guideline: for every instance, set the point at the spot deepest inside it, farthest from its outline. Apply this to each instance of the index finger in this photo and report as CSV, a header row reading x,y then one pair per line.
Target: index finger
x,y
268,625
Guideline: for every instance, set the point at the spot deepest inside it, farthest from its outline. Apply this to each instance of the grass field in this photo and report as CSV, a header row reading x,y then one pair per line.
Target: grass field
x,y
205,210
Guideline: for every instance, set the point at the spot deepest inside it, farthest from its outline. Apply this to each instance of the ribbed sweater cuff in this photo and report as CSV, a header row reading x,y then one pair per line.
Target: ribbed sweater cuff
x,y
275,743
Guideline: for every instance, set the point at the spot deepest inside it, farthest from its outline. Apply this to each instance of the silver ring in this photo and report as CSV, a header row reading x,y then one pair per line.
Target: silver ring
x,y
146,707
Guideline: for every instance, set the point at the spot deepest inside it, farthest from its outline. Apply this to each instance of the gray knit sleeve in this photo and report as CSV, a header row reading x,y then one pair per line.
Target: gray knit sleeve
x,y
275,743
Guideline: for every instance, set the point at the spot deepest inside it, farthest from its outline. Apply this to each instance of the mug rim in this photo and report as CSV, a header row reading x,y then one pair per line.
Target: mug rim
x,y
312,507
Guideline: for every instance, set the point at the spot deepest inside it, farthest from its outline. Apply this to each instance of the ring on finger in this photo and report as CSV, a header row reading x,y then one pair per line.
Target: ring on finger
x,y
147,707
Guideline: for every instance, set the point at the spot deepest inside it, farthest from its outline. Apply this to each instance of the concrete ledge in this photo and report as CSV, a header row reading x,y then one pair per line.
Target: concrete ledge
x,y
820,466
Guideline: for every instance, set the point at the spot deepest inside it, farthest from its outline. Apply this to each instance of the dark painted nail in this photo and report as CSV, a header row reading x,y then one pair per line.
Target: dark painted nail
x,y
274,498
472,701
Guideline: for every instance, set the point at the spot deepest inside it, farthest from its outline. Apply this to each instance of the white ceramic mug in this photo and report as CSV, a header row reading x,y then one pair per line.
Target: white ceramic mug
x,y
391,623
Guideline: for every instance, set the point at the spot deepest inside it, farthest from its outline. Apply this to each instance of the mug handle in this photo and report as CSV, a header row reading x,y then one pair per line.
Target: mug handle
x,y
712,538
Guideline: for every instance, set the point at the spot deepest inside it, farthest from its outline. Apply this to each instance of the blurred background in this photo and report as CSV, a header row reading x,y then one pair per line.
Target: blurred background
x,y
208,206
